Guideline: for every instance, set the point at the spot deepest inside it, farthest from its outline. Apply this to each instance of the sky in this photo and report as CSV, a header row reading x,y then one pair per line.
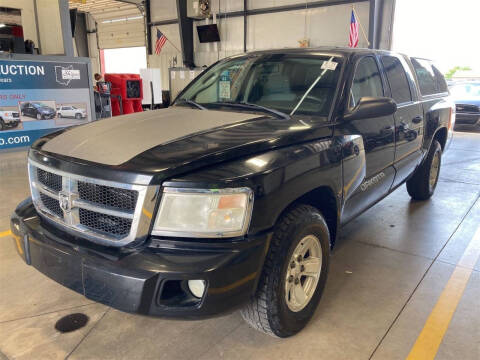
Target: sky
x,y
442,30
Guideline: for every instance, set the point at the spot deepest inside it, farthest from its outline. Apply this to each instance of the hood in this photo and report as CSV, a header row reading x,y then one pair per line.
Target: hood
x,y
170,142
471,101
116,140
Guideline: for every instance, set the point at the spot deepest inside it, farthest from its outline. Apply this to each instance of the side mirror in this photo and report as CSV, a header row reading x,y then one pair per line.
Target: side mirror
x,y
371,107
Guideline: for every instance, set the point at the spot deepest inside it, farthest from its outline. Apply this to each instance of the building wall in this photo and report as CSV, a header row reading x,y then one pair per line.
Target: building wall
x,y
321,26
324,26
160,11
50,27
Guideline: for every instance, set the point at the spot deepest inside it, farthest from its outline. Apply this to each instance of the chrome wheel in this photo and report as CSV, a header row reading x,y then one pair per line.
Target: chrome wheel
x,y
434,169
303,273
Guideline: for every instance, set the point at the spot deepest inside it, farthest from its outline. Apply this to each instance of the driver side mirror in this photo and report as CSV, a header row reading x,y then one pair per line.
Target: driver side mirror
x,y
371,107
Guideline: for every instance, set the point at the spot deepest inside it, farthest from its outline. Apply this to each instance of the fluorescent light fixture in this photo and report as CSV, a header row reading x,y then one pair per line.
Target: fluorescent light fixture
x,y
122,19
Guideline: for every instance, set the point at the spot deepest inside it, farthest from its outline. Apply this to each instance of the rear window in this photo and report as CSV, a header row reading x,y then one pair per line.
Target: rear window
x,y
397,79
430,79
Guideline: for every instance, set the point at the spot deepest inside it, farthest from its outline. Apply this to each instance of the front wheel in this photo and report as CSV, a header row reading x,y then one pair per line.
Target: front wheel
x,y
2,125
422,184
294,274
78,116
39,116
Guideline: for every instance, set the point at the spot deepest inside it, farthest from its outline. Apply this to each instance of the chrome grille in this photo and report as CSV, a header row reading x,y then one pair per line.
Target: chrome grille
x,y
50,180
108,196
106,212
51,204
105,223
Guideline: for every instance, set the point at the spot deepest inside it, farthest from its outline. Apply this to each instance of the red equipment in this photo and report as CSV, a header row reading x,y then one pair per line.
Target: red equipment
x,y
126,93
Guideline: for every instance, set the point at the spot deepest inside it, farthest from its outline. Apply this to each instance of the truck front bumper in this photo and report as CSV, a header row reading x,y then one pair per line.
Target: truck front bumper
x,y
11,121
148,280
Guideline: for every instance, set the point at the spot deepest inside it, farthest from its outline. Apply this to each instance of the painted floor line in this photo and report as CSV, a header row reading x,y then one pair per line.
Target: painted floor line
x,y
431,336
5,233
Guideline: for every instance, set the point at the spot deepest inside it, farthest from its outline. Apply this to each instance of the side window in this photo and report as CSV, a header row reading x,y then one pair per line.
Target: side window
x,y
397,79
366,82
430,79
440,80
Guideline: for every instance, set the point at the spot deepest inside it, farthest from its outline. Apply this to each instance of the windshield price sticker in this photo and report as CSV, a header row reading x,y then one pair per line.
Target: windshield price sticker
x,y
224,89
329,65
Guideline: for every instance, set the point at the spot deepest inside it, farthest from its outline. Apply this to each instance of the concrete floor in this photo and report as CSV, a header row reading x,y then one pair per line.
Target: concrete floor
x,y
388,270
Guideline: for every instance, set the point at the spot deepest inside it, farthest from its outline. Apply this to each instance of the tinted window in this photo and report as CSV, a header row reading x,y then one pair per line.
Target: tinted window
x,y
440,80
430,79
397,79
367,81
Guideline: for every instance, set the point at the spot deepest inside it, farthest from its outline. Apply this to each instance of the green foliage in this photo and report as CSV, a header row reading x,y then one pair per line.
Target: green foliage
x,y
453,70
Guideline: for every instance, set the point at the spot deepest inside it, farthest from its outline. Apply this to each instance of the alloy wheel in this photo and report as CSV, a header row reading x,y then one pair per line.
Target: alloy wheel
x,y
303,273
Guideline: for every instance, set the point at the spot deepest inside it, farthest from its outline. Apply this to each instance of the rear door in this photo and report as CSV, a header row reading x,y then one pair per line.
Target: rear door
x,y
378,139
409,121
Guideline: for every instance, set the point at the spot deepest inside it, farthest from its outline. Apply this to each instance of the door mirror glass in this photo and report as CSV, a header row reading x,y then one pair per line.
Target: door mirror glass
x,y
371,107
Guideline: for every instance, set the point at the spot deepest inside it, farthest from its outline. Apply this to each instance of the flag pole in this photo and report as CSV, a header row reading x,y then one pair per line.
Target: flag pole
x,y
170,42
361,26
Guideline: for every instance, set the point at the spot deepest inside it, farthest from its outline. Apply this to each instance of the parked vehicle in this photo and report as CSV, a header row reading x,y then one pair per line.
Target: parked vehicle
x,y
71,111
233,197
467,99
9,119
37,110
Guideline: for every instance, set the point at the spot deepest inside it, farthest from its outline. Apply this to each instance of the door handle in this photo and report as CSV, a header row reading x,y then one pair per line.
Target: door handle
x,y
417,119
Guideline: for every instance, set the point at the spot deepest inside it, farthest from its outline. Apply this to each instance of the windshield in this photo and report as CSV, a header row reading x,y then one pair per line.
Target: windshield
x,y
286,83
466,91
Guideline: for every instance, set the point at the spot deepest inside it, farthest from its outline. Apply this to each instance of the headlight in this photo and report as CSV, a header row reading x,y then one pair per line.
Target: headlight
x,y
204,212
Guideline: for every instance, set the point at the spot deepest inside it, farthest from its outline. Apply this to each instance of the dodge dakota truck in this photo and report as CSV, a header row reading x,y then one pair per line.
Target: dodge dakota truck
x,y
233,197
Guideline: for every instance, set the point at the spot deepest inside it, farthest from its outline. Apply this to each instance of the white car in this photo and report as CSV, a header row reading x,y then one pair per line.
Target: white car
x,y
9,119
71,111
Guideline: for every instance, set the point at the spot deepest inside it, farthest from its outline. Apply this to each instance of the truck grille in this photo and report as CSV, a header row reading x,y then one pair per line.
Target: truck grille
x,y
107,195
103,211
467,108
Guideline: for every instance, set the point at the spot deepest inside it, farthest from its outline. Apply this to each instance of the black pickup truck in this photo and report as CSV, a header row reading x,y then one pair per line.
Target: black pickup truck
x,y
233,197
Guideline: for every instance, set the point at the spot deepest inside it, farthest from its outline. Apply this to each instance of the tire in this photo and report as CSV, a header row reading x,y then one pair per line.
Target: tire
x,y
272,309
39,116
2,125
78,116
422,184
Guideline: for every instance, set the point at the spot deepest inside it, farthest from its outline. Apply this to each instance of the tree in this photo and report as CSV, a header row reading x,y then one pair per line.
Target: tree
x,y
453,70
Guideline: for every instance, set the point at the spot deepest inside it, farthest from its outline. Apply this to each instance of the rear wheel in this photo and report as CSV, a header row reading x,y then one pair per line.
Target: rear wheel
x,y
2,125
294,274
422,184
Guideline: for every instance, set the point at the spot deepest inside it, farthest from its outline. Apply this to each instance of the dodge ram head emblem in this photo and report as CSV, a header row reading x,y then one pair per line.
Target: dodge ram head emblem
x,y
65,201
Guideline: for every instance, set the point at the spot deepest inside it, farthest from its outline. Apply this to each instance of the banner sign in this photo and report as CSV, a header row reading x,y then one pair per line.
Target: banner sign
x,y
39,97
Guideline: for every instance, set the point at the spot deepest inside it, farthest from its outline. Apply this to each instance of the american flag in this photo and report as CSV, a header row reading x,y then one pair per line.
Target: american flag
x,y
161,40
353,40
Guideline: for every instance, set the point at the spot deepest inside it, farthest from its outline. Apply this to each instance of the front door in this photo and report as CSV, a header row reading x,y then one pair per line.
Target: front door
x,y
378,139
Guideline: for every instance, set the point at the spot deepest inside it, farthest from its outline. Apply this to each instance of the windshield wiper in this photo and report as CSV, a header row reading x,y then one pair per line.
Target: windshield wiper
x,y
254,106
191,102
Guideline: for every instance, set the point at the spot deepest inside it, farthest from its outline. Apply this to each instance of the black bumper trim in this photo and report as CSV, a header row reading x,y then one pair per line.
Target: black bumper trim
x,y
132,280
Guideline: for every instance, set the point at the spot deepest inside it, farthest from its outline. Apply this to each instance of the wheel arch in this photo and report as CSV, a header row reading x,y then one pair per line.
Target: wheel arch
x,y
322,198
441,136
